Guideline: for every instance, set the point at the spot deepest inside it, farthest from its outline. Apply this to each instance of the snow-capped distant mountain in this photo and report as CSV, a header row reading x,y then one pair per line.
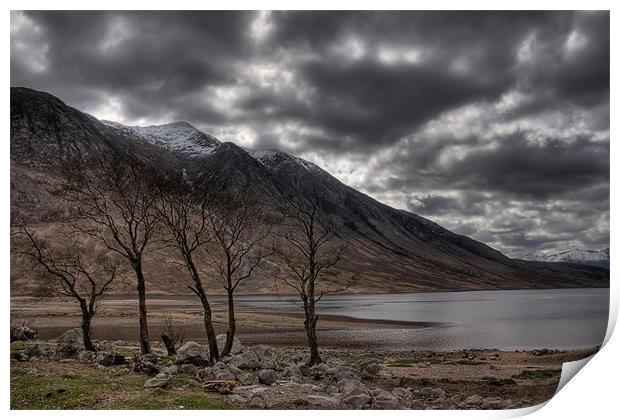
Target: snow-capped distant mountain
x,y
178,137
579,256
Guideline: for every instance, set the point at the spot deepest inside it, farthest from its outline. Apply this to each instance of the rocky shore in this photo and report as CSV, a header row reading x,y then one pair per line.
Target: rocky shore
x,y
263,377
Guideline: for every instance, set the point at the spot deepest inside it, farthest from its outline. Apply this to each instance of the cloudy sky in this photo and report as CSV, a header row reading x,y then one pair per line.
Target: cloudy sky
x,y
495,125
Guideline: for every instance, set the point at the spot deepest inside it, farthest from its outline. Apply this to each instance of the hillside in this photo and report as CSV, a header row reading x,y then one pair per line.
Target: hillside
x,y
391,250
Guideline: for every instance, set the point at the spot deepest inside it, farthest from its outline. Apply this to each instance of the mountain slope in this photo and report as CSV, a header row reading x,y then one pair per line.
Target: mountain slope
x,y
390,249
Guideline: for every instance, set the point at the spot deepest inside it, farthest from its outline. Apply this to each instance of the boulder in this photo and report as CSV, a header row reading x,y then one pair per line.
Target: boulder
x,y
144,364
323,402
19,355
402,393
237,347
34,350
172,370
247,360
73,336
104,358
193,353
224,374
187,368
354,393
371,370
346,373
291,372
161,380
473,400
494,403
385,401
267,376
246,379
87,356
66,350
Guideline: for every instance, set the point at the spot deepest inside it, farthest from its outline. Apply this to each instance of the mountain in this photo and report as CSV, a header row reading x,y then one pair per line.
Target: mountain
x,y
577,256
390,249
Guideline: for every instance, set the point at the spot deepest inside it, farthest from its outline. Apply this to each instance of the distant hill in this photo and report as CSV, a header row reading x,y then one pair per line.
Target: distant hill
x,y
577,256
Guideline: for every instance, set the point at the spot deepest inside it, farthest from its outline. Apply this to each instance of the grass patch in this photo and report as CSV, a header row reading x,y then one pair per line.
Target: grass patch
x,y
538,374
400,364
465,362
17,345
84,387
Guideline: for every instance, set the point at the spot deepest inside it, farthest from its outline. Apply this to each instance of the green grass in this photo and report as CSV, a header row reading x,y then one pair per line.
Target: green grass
x,y
465,362
538,374
91,388
17,345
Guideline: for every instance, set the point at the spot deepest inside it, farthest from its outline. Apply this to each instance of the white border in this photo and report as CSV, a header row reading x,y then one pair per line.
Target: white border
x,y
590,395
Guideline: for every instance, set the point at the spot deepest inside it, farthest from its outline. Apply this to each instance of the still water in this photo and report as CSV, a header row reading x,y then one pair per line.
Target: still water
x,y
506,319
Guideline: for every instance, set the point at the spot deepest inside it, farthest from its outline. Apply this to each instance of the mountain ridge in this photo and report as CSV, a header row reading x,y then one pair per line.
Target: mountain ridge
x,y
393,249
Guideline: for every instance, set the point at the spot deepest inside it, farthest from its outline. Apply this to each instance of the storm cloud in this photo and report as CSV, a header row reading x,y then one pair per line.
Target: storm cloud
x,y
493,124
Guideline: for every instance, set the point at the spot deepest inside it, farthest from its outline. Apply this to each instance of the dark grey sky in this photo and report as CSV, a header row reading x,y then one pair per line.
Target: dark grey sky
x,y
495,125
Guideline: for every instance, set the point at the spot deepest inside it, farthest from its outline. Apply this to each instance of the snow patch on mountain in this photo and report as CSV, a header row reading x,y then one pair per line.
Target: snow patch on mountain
x,y
178,137
580,256
274,157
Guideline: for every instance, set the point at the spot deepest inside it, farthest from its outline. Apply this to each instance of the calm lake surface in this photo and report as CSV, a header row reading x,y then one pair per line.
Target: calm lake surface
x,y
507,320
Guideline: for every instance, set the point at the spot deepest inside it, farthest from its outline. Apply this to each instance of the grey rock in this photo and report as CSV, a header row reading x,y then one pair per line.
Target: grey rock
x,y
187,368
73,335
104,358
473,400
193,383
193,353
34,350
87,356
65,350
323,402
494,403
172,369
346,372
237,399
402,393
19,355
246,379
354,393
161,380
291,372
385,401
267,376
224,374
247,360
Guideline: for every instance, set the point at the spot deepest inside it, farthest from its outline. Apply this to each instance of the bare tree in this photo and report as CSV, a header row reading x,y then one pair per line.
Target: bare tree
x,y
69,272
239,225
171,335
304,245
113,201
184,211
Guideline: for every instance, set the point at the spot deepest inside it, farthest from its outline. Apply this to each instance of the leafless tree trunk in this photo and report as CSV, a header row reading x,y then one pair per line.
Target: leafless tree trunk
x,y
70,274
184,211
304,248
240,227
113,201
